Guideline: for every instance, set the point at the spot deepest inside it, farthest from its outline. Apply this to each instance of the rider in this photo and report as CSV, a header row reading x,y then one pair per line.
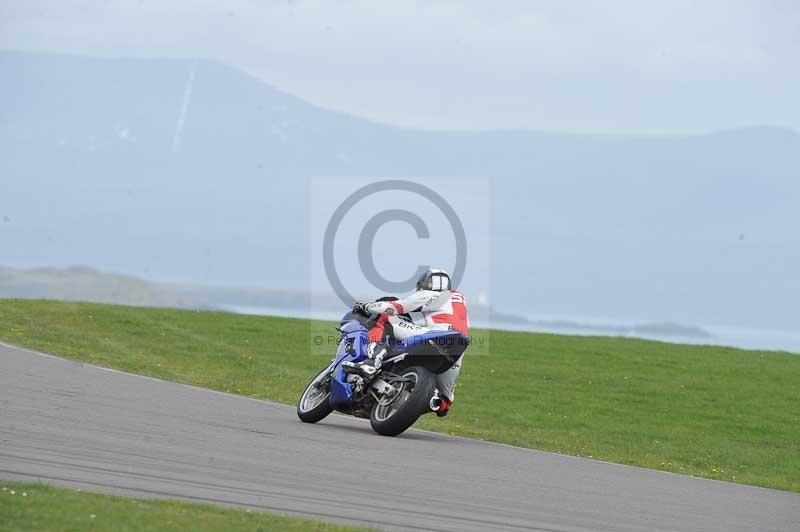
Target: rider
x,y
435,306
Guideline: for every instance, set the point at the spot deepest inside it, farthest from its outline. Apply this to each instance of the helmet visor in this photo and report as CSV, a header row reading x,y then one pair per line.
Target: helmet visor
x,y
439,282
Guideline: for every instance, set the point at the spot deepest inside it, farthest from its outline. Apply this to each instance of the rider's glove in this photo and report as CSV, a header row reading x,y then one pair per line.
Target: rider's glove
x,y
360,308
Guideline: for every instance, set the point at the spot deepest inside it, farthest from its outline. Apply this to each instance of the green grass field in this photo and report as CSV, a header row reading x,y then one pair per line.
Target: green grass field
x,y
36,507
713,412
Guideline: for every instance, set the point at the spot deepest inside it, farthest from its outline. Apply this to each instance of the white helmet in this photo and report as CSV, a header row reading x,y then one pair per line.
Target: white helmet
x,y
434,279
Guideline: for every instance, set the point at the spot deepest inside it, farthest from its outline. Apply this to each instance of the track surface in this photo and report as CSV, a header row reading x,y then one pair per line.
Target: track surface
x,y
76,425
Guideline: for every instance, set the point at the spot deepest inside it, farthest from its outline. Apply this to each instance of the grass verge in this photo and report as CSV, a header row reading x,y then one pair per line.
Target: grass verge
x,y
35,507
713,412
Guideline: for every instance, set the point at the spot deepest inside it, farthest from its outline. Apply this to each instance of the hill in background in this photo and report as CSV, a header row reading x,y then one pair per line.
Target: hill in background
x,y
80,283
196,173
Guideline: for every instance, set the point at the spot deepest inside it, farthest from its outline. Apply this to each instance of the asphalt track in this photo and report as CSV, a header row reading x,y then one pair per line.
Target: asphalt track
x,y
77,425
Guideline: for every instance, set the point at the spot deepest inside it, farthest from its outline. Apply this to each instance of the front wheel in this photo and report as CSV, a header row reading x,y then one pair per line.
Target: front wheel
x,y
314,405
394,413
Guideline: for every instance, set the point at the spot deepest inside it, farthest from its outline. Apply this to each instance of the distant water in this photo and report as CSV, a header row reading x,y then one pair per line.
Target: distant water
x,y
745,338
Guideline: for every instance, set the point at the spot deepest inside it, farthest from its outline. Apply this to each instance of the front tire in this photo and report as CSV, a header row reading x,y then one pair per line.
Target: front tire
x,y
314,405
394,416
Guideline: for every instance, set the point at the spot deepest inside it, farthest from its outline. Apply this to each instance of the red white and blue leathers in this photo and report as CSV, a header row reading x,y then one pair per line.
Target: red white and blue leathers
x,y
429,310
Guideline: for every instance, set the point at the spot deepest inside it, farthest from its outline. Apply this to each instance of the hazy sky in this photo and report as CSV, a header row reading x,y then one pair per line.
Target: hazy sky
x,y
596,66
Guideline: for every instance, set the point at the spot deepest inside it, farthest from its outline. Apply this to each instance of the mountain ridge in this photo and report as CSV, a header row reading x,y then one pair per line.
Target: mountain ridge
x,y
692,229
187,62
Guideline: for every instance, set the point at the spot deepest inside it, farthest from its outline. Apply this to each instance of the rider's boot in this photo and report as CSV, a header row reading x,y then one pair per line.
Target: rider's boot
x,y
369,367
444,406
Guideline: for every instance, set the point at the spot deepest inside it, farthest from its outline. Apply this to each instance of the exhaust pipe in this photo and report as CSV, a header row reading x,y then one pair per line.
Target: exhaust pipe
x,y
435,403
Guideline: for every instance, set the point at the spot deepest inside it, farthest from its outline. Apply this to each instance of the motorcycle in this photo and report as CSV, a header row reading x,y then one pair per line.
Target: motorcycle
x,y
403,389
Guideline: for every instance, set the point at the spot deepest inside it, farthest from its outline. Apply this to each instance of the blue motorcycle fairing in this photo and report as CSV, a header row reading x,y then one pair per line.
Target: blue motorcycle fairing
x,y
350,323
353,347
418,351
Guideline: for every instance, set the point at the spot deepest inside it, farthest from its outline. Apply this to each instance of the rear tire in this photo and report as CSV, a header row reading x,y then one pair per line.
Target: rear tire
x,y
395,417
314,405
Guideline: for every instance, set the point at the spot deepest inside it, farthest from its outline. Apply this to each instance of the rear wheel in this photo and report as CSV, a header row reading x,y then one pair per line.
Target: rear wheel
x,y
314,405
397,411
